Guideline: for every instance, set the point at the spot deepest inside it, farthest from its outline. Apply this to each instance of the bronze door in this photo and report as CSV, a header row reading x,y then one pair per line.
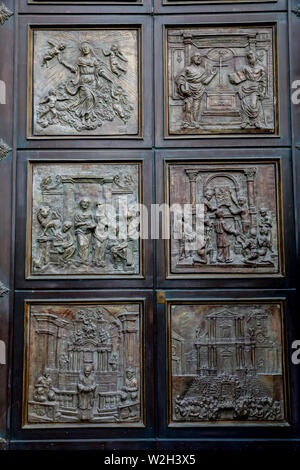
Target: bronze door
x,y
149,229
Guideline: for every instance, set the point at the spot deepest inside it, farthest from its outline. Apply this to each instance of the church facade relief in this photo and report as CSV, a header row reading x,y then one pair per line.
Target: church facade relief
x,y
84,219
85,83
84,364
226,363
221,82
234,220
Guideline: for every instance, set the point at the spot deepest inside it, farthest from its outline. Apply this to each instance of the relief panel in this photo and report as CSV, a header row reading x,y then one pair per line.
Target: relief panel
x,y
84,82
221,80
226,363
233,222
84,220
83,364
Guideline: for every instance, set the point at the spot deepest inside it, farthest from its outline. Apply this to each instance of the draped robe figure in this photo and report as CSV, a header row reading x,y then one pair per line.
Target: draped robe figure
x,y
191,83
86,393
84,225
252,90
87,72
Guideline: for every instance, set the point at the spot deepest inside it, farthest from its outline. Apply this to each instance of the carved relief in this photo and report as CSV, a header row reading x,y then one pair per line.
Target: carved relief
x,y
3,289
225,84
5,13
234,220
85,219
4,149
86,82
84,364
226,363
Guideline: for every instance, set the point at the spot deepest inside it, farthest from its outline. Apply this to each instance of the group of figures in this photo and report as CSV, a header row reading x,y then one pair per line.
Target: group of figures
x,y
87,236
94,89
85,365
95,234
226,83
236,229
229,367
243,408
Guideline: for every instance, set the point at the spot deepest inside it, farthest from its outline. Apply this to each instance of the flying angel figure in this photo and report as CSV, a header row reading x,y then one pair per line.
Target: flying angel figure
x,y
55,50
115,56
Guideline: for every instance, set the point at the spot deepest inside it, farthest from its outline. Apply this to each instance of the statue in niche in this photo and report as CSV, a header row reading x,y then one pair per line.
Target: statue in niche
x,y
252,83
84,227
191,84
86,393
88,99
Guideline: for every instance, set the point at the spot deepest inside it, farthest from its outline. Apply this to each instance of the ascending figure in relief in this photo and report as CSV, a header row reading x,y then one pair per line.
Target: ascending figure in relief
x,y
191,85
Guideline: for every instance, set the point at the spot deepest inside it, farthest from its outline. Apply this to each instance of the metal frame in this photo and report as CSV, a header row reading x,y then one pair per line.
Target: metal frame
x,y
165,140
25,161
98,432
141,23
282,157
200,432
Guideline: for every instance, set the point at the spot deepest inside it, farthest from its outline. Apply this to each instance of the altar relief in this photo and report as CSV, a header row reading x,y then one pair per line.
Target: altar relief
x,y
226,363
221,80
83,364
85,82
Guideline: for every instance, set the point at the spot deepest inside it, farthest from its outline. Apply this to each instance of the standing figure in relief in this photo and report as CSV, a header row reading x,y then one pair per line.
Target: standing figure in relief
x,y
191,84
223,245
100,234
86,393
252,90
243,221
84,226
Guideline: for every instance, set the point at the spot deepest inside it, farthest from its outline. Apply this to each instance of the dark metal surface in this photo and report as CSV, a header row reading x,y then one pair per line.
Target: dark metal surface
x,y
270,286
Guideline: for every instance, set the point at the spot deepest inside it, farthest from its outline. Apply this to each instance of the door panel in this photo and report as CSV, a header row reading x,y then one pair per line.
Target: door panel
x,y
149,343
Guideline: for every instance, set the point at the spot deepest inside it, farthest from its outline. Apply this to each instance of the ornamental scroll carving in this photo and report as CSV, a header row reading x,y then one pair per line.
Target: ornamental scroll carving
x,y
233,224
226,363
85,82
85,220
84,364
5,13
221,83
